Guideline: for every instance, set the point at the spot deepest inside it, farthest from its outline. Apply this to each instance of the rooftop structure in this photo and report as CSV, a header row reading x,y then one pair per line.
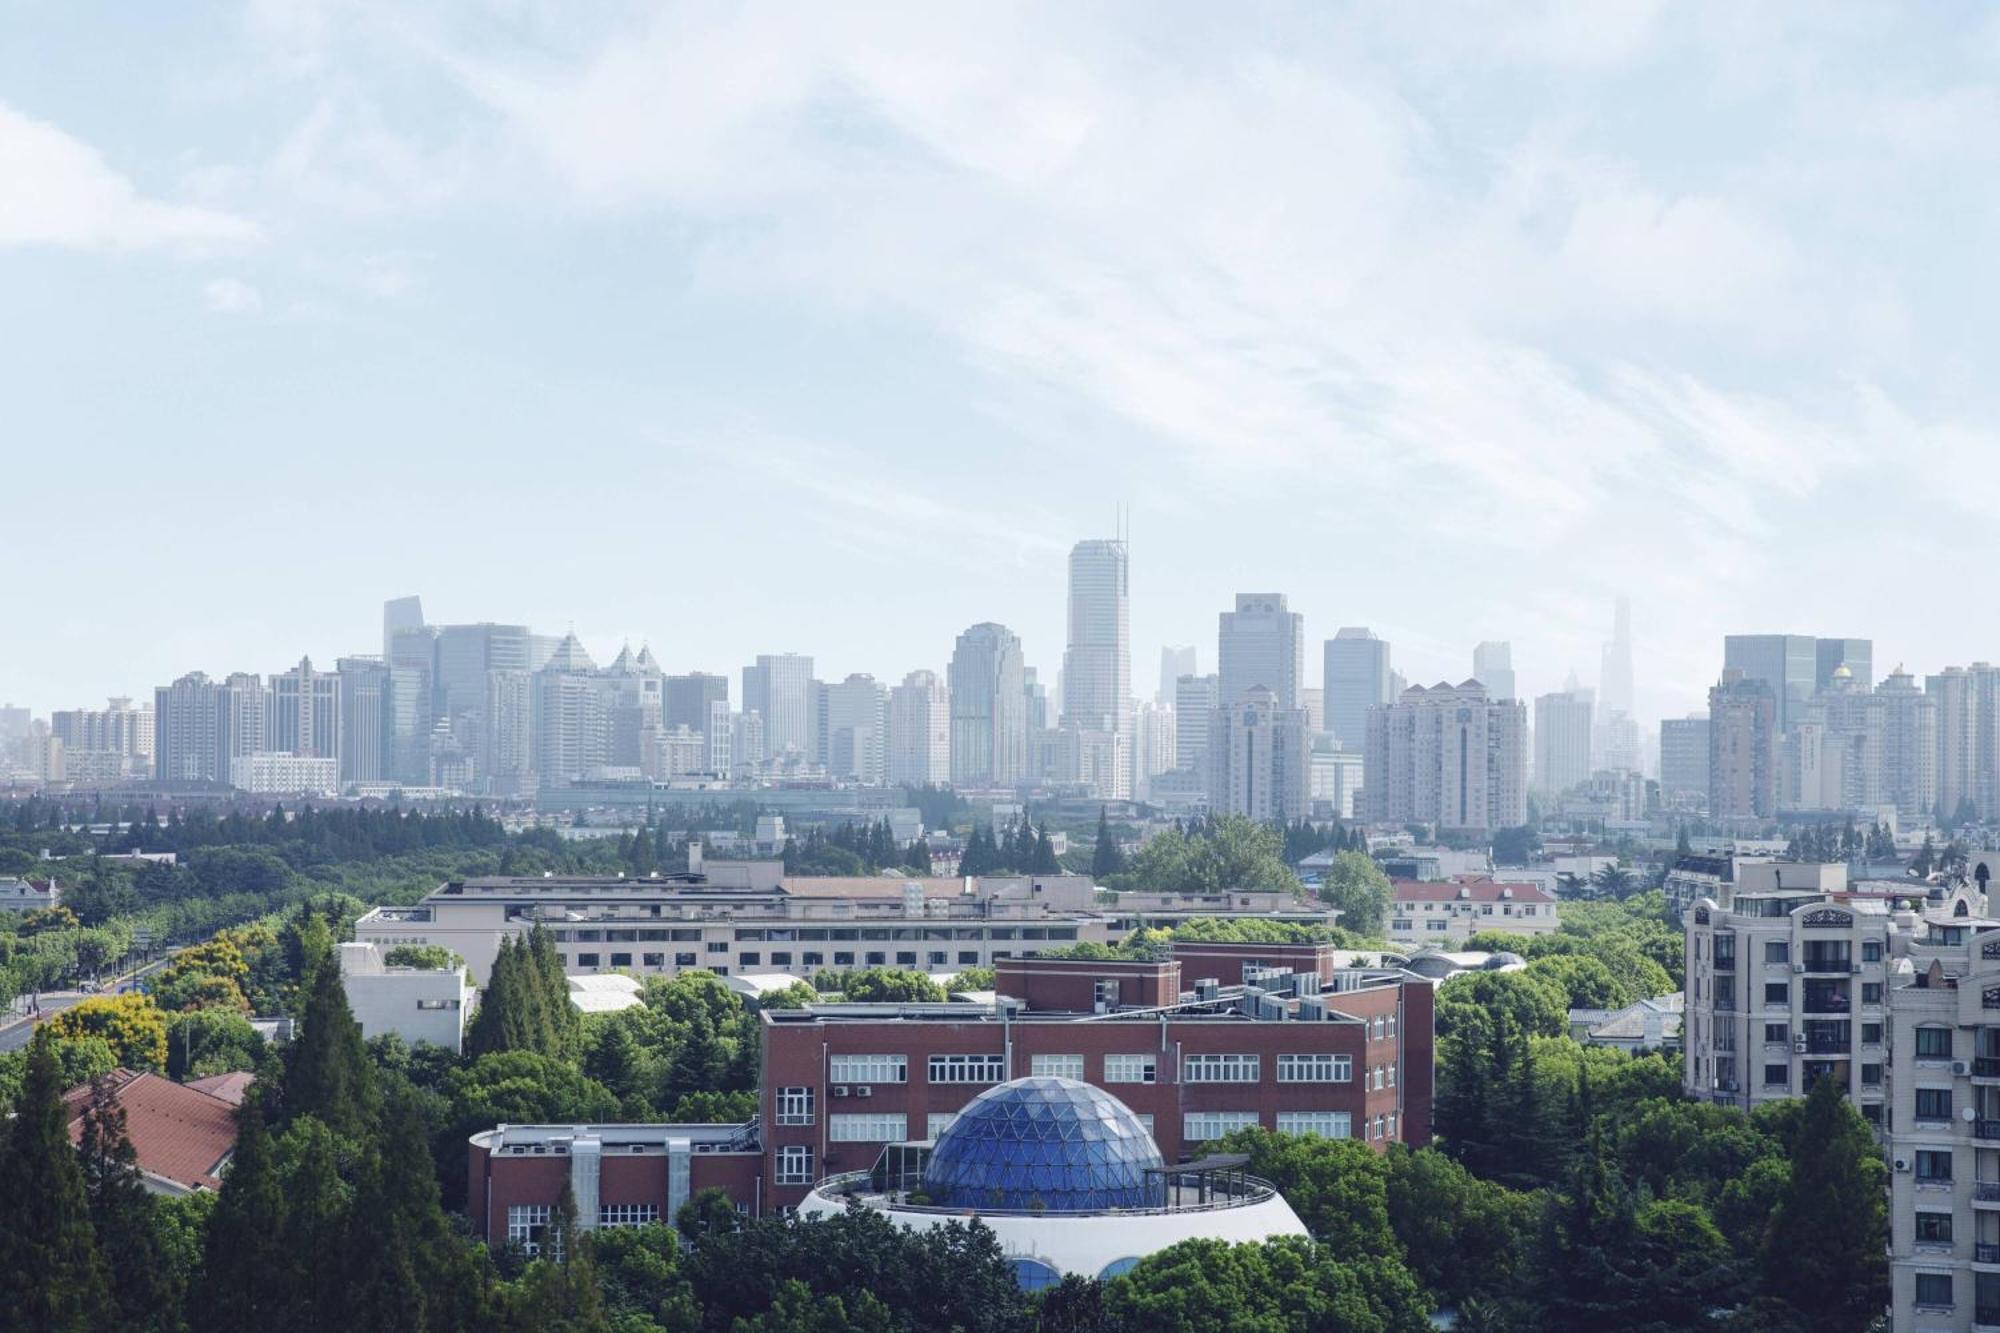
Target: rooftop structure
x,y
1069,1180
428,1004
181,1136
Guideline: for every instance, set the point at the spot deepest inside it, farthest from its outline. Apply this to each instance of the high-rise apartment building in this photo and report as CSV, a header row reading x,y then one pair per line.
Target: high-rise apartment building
x,y
989,709
1195,699
689,698
1097,662
1260,759
1909,763
1563,722
1357,680
1155,730
1493,667
778,687
635,709
506,755
243,720
185,729
571,721
1683,760
1261,643
1857,655
115,741
1968,738
857,724
305,713
1742,748
1175,661
1450,757
920,731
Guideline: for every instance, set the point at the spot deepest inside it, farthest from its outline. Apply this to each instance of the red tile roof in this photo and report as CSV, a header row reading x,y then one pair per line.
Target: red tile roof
x,y
231,1087
180,1133
1475,889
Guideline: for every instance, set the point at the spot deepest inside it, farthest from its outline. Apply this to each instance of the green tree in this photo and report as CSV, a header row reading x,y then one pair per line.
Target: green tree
x,y
707,1212
327,1072
142,1283
1465,1237
1357,887
1274,1287
52,1278
245,1281
1107,858
1825,1254
1585,982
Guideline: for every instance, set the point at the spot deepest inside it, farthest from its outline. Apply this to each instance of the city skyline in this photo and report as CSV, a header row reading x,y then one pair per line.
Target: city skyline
x,y
394,295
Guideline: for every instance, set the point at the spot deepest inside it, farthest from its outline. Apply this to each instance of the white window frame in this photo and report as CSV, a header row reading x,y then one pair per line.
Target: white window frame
x,y
1324,1124
627,1214
1055,1066
1202,1126
794,1165
868,1127
1231,1067
526,1224
937,1122
868,1069
1124,1067
967,1068
1315,1067
795,1105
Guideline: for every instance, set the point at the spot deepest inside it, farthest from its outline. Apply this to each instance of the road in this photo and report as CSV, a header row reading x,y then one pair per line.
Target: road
x,y
16,1035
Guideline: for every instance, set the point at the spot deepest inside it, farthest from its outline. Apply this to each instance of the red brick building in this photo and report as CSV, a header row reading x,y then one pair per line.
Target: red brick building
x,y
1215,1038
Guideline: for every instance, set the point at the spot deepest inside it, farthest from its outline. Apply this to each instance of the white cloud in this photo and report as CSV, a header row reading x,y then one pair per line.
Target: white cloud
x,y
232,296
59,191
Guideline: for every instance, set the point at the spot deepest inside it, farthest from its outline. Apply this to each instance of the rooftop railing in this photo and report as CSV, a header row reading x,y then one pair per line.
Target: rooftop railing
x,y
859,1185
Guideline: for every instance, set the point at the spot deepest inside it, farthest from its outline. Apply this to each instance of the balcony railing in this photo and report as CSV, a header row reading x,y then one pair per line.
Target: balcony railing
x,y
1983,1253
1986,1191
1986,1129
1986,1066
1828,1046
1829,966
1985,1315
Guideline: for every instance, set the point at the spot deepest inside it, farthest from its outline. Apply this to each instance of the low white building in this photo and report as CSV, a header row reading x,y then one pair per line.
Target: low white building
x,y
415,1003
267,773
28,895
1432,915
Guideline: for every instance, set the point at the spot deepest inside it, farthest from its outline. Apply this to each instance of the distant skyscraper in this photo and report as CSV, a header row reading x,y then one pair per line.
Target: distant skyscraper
x,y
243,717
1259,759
1683,759
1175,662
1097,664
1262,643
109,744
1194,700
400,615
1786,664
506,732
1742,747
366,743
185,725
689,699
1857,655
1614,686
779,688
466,657
857,724
1562,740
1155,730
571,723
989,724
920,731
635,706
1493,667
1447,756
1356,680
305,713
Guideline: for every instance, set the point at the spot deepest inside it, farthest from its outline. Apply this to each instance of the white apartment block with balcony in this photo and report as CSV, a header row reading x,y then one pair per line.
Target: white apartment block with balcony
x,y
1786,986
1424,914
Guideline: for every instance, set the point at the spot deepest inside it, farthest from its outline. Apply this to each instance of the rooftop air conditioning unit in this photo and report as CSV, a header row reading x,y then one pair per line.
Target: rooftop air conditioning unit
x,y
839,1089
864,1091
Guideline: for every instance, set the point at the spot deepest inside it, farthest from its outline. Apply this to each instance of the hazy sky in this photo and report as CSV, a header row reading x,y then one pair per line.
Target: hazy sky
x,y
830,327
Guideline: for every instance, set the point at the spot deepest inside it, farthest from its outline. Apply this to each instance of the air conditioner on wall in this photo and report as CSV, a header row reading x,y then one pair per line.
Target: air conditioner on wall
x,y
838,1089
1902,1163
1960,1067
864,1091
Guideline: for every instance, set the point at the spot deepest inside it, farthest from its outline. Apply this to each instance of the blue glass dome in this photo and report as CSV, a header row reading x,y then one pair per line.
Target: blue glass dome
x,y
1043,1143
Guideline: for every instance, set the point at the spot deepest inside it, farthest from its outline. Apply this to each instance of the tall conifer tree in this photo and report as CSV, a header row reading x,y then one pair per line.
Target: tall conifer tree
x,y
52,1279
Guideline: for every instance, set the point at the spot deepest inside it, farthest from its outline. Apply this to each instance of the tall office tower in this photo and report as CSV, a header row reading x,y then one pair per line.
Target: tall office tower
x,y
1683,759
465,656
571,716
989,722
1617,744
367,746
1259,759
542,648
634,701
400,616
186,725
689,699
406,719
1786,664
1968,738
1614,685
1447,756
746,744
779,688
1156,730
1262,643
1356,680
857,725
1194,701
1909,747
242,721
1314,702
305,713
506,759
920,731
1562,740
14,724
1097,663
1857,655
1742,748
1493,667
1175,661
720,735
